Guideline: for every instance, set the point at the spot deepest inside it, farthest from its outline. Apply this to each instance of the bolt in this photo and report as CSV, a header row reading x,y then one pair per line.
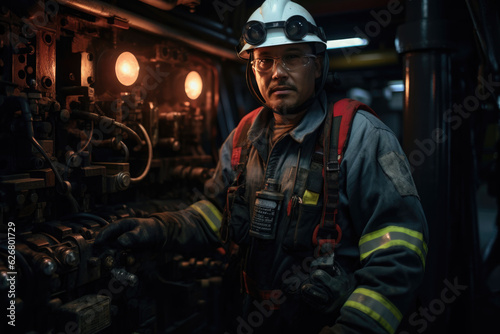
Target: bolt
x,y
4,283
108,261
48,266
122,181
64,115
70,258
56,106
34,197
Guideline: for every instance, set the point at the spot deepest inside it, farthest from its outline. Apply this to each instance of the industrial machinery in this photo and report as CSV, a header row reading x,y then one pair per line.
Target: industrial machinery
x,y
112,109
102,118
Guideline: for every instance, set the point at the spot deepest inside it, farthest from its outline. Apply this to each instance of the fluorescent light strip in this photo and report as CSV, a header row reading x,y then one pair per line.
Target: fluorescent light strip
x,y
396,86
346,43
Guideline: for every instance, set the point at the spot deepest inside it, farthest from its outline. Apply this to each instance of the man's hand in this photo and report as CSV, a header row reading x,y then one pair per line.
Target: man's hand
x,y
134,233
325,292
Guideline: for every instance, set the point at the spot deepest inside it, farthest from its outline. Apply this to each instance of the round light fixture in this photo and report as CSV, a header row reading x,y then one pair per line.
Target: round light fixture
x,y
127,68
193,85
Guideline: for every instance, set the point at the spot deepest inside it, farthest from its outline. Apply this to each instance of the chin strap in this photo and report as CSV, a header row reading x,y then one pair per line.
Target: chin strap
x,y
250,81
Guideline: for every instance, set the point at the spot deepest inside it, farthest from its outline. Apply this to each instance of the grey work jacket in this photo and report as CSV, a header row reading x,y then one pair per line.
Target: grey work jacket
x,y
384,230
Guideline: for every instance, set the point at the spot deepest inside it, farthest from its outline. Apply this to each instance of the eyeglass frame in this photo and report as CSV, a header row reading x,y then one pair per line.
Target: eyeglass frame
x,y
275,60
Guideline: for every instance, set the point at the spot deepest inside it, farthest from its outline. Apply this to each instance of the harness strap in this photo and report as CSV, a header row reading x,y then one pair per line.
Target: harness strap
x,y
336,135
241,145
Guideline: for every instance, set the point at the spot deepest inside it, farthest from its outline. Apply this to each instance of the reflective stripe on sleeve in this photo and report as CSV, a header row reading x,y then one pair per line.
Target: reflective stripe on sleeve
x,y
210,213
393,236
376,306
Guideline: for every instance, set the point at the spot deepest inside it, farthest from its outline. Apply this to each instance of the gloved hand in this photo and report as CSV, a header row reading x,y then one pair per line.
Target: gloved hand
x,y
135,233
325,292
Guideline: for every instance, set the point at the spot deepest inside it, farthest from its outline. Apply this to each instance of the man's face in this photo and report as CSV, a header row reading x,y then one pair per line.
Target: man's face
x,y
282,89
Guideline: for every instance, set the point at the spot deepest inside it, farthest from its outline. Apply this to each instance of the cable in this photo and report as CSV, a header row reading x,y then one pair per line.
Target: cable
x,y
28,118
90,216
40,149
98,119
89,139
125,151
150,156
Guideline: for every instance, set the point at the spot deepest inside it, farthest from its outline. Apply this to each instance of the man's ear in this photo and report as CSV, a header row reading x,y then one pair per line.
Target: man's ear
x,y
318,66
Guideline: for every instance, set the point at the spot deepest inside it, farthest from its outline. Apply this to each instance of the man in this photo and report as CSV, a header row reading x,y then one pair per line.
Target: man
x,y
267,199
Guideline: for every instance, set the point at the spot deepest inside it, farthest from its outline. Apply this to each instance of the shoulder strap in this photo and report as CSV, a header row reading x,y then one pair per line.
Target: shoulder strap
x,y
338,126
240,142
344,111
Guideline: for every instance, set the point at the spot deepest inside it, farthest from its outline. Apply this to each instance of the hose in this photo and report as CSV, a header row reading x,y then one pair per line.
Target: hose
x,y
98,118
150,156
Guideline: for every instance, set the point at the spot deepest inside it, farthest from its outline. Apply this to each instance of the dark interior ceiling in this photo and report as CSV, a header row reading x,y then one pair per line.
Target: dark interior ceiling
x,y
219,22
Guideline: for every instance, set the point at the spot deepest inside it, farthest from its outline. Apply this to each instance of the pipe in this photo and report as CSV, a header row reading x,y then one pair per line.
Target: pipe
x,y
98,8
427,44
427,95
364,60
161,4
484,18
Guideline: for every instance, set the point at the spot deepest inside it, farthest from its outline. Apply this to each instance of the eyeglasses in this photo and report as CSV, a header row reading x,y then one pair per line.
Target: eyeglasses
x,y
296,27
290,62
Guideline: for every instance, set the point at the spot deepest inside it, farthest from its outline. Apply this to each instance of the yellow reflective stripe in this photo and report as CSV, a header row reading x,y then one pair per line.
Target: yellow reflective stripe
x,y
210,213
393,236
376,306
310,198
381,232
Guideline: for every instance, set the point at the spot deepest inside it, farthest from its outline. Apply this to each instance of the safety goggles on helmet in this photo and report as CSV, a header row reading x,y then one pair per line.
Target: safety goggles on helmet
x,y
295,28
290,62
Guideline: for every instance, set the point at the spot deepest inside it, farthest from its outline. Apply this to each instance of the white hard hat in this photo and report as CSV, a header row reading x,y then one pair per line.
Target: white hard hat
x,y
279,22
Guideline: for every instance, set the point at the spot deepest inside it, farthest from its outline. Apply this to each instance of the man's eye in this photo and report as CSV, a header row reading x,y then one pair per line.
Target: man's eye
x,y
265,61
292,57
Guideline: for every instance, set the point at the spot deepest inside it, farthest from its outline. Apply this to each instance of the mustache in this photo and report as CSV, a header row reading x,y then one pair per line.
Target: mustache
x,y
281,86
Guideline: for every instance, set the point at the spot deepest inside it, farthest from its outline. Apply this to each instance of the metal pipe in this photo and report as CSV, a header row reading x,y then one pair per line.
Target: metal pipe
x,y
161,4
98,8
423,40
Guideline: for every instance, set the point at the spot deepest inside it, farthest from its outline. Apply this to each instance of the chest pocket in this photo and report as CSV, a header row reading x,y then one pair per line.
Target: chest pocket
x,y
304,212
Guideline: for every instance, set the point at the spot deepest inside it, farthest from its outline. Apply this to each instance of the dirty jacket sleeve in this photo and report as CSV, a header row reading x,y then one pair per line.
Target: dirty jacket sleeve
x,y
389,227
195,229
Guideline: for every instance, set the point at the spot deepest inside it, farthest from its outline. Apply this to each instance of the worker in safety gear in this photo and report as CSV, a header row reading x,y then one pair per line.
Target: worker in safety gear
x,y
266,201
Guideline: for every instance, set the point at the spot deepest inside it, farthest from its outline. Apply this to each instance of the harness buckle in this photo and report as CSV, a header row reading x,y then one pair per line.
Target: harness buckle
x,y
332,166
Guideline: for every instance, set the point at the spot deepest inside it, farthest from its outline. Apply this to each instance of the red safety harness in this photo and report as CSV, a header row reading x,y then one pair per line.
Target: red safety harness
x,y
337,128
339,123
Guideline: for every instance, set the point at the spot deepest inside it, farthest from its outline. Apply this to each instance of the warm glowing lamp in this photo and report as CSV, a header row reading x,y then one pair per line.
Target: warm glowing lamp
x,y
127,68
193,85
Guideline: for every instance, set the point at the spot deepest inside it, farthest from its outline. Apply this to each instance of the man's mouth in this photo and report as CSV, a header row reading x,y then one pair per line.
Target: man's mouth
x,y
280,90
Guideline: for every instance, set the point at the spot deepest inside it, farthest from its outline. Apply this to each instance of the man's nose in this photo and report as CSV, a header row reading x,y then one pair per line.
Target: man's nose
x,y
279,70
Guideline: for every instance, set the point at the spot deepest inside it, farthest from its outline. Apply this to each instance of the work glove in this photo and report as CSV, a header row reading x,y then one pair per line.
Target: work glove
x,y
135,233
327,293
325,289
